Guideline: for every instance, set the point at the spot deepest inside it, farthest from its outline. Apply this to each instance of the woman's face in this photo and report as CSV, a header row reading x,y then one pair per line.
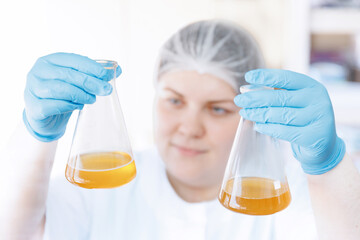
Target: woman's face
x,y
195,124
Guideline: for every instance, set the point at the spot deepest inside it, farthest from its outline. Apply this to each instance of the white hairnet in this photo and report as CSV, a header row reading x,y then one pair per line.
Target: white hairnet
x,y
216,47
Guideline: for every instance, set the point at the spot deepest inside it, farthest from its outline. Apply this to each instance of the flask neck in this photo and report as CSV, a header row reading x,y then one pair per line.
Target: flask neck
x,y
113,85
247,126
247,122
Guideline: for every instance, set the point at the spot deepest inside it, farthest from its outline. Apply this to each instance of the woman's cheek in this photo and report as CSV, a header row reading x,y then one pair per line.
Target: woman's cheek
x,y
223,133
165,118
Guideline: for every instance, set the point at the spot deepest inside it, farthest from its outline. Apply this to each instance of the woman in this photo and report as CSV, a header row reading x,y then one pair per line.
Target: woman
x,y
174,195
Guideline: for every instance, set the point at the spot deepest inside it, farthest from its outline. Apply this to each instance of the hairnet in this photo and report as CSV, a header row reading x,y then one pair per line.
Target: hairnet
x,y
216,47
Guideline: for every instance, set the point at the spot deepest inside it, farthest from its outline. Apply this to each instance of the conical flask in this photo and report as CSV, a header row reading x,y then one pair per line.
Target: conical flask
x,y
100,154
254,181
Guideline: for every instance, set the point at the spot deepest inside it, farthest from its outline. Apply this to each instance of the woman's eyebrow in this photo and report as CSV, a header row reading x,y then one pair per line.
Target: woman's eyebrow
x,y
171,90
222,101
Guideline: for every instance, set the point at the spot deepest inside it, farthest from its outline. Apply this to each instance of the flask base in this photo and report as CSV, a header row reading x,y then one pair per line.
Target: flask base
x,y
255,196
101,170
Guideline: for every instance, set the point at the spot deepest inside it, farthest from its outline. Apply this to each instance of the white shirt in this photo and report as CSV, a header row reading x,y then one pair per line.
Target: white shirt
x,y
149,208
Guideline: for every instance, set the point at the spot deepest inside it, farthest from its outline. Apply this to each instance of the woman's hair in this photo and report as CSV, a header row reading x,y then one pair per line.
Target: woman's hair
x,y
216,47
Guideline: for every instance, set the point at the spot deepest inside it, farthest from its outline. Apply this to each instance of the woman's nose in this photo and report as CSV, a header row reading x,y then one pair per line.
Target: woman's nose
x,y
191,125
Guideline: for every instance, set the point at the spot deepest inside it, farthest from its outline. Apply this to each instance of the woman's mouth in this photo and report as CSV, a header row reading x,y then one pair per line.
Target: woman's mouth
x,y
187,151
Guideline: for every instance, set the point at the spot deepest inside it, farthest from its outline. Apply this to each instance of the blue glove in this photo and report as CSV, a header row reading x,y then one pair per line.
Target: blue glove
x,y
301,115
58,84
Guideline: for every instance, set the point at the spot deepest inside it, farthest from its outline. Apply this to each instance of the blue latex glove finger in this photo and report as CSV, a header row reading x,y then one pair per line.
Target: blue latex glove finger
x,y
277,98
39,110
45,71
278,78
77,62
82,64
110,73
279,115
118,71
54,115
49,108
309,127
56,89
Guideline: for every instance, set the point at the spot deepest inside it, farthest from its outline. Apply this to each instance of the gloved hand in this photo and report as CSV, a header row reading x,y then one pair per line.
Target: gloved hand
x,y
58,84
301,114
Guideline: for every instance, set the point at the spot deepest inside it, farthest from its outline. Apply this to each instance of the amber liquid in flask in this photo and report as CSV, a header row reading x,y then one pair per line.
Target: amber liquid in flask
x,y
101,170
100,154
256,196
254,182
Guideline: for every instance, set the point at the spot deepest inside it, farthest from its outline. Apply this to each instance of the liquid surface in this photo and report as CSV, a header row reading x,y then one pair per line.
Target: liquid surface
x,y
101,170
255,196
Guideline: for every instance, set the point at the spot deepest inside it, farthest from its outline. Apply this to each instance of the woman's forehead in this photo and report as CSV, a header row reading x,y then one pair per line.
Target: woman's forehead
x,y
191,83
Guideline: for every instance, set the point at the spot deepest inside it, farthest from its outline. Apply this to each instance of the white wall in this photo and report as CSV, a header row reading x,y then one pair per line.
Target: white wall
x,y
22,40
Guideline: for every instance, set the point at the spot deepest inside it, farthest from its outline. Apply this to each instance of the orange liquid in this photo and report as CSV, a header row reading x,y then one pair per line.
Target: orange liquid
x,y
101,170
255,196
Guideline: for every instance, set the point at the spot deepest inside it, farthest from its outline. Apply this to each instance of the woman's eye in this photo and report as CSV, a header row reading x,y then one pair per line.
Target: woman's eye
x,y
218,110
174,101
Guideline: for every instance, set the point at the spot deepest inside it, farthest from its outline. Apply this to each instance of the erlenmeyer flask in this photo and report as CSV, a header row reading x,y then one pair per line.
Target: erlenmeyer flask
x,y
101,155
254,182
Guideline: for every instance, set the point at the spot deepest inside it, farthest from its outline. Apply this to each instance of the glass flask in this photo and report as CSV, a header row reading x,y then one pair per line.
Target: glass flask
x,y
254,182
100,154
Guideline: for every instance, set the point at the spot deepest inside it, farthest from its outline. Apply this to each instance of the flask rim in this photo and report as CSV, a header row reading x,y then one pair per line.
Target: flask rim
x,y
113,64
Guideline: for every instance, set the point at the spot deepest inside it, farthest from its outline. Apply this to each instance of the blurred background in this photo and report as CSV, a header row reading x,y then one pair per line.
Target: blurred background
x,y
316,37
